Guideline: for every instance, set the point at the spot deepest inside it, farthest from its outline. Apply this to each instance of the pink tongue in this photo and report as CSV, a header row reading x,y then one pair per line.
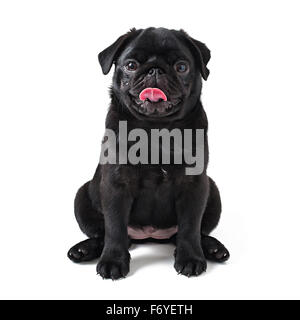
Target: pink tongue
x,y
153,94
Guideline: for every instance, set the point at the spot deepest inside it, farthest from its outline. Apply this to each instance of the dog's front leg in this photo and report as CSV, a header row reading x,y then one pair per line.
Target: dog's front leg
x,y
190,206
114,261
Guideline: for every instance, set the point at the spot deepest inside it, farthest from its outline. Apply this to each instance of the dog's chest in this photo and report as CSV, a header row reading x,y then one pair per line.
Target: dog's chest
x,y
154,204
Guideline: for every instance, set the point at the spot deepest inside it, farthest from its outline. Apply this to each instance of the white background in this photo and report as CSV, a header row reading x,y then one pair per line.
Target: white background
x,y
53,103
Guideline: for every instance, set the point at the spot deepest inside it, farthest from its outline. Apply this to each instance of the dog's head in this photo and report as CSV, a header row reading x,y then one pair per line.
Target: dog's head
x,y
157,72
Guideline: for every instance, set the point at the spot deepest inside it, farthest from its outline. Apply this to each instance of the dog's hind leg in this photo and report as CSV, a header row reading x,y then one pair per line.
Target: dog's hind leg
x,y
86,250
212,248
91,223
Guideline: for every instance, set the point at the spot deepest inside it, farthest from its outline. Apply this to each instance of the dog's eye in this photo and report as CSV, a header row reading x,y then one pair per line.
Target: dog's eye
x,y
181,67
131,66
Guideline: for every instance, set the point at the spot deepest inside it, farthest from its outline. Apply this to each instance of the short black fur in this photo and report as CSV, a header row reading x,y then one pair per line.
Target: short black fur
x,y
142,195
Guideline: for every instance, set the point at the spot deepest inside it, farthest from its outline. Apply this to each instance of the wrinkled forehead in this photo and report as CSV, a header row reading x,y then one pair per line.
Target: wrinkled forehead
x,y
160,43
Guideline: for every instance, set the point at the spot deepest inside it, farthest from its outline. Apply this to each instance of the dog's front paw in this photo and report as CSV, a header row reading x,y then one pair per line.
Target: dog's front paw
x,y
189,265
113,267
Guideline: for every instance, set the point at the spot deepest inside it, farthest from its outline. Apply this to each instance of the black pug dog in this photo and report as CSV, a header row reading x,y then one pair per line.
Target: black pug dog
x,y
157,84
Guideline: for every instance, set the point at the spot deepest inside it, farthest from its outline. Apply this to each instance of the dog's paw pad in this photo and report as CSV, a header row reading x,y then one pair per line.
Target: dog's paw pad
x,y
220,254
86,250
215,250
76,254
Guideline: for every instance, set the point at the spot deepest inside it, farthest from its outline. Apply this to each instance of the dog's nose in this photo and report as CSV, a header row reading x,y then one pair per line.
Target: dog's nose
x,y
155,71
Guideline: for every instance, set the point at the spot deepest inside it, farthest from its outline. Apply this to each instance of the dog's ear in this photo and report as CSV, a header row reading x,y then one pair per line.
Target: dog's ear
x,y
201,51
108,56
